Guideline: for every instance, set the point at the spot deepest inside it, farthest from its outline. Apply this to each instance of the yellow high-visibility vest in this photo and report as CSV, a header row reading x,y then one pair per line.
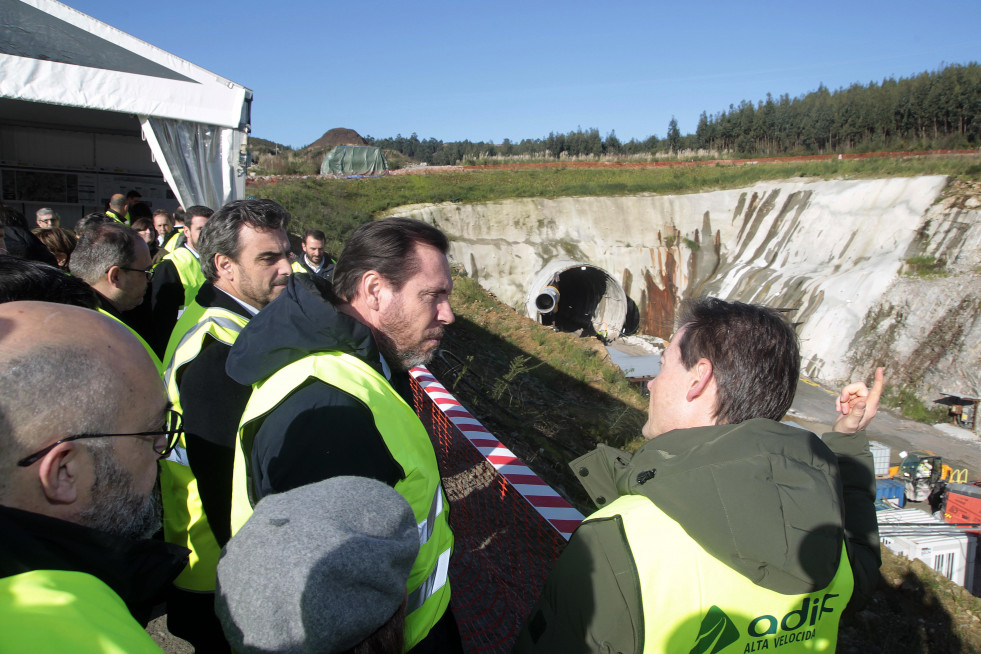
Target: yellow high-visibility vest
x,y
54,611
185,522
428,586
692,602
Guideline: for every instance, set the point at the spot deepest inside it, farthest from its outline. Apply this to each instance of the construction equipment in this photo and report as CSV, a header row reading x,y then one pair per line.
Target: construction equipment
x,y
924,475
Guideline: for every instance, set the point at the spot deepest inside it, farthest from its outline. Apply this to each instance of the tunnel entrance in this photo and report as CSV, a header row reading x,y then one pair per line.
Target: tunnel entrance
x,y
573,296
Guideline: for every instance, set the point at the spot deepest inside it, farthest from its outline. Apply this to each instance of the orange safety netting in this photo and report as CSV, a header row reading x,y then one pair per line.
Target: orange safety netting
x,y
504,548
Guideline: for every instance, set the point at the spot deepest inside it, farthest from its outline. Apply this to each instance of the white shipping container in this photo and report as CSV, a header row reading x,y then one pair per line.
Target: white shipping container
x,y
918,535
880,457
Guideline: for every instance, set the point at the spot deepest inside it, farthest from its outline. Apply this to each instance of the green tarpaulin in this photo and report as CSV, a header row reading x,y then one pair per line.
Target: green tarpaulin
x,y
354,160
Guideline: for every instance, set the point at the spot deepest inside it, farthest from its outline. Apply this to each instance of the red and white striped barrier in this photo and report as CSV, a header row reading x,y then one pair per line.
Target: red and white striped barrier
x,y
563,517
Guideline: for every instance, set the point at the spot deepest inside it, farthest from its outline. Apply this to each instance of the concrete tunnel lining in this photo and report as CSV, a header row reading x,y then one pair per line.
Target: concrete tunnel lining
x,y
573,295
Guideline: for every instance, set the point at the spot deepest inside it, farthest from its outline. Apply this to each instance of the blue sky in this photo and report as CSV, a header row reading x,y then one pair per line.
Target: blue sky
x,y
483,70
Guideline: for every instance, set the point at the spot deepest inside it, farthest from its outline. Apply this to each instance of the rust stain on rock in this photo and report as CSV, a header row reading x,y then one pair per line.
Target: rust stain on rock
x,y
658,304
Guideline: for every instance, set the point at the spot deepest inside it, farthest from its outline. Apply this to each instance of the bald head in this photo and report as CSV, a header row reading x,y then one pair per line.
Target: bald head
x,y
118,203
67,370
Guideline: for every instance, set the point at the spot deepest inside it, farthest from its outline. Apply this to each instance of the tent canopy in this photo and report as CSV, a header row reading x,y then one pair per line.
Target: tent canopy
x,y
75,92
354,160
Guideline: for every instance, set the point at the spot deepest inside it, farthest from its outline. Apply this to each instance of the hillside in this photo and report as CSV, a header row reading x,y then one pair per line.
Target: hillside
x,y
337,136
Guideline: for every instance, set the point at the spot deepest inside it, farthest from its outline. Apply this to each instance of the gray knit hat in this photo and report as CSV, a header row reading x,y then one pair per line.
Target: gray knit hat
x,y
316,569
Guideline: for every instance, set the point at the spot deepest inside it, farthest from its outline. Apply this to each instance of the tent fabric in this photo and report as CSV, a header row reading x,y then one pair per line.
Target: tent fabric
x,y
53,54
200,161
354,159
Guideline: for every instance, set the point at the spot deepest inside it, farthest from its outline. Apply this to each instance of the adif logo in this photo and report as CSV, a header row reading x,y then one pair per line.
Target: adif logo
x,y
768,624
716,632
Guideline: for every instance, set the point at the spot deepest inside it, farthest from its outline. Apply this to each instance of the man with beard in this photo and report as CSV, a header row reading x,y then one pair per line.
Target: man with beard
x,y
244,257
331,395
115,261
77,474
315,259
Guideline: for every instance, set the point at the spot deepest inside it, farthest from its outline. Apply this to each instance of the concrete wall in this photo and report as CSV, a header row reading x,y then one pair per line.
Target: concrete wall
x,y
834,250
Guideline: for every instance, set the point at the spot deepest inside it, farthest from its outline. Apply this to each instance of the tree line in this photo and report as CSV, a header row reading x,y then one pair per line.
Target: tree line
x,y
938,109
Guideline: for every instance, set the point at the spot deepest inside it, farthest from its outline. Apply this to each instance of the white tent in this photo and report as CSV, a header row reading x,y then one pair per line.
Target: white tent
x,y
77,100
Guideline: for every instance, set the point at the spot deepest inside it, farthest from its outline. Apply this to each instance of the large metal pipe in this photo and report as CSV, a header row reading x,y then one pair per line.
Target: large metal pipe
x,y
574,295
548,300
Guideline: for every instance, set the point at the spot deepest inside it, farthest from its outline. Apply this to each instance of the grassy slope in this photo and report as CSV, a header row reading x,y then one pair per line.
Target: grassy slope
x,y
338,206
552,396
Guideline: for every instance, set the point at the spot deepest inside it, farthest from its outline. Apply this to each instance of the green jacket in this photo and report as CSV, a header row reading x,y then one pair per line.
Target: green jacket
x,y
772,502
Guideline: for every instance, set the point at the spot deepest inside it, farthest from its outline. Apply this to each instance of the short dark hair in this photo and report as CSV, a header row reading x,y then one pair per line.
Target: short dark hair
x,y
179,215
140,210
754,352
220,235
316,234
100,247
23,279
199,210
386,246
133,194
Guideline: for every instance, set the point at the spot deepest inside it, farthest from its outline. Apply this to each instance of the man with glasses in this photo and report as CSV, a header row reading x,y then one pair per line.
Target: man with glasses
x,y
47,218
115,262
78,571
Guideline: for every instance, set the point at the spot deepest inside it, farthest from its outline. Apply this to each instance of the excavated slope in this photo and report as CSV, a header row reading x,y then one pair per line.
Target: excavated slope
x,y
834,250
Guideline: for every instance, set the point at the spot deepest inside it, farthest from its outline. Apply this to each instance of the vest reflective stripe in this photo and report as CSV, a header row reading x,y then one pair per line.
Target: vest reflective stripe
x,y
711,607
428,585
185,523
426,526
189,270
298,267
53,611
432,584
149,350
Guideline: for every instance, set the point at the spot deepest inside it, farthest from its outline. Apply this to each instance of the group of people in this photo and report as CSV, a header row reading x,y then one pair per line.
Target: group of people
x,y
302,504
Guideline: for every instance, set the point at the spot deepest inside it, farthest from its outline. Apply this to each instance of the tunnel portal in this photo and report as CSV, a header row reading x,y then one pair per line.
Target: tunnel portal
x,y
571,295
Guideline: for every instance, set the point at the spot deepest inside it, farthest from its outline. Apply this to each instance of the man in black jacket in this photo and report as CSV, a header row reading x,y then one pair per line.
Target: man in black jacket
x,y
244,256
77,473
176,280
392,284
115,261
315,259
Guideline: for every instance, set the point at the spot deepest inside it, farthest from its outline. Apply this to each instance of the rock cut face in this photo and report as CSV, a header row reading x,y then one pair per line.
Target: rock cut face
x,y
833,251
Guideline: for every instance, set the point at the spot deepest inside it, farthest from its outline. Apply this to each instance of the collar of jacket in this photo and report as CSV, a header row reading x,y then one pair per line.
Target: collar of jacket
x,y
139,571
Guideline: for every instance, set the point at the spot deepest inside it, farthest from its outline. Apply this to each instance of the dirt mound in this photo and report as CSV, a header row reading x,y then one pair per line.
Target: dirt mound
x,y
338,136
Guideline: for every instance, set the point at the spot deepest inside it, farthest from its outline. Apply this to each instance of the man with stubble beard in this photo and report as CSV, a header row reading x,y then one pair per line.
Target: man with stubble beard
x,y
329,370
244,258
78,571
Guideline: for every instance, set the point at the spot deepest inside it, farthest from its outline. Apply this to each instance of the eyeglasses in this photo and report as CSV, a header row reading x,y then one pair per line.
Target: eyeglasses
x,y
163,447
148,273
